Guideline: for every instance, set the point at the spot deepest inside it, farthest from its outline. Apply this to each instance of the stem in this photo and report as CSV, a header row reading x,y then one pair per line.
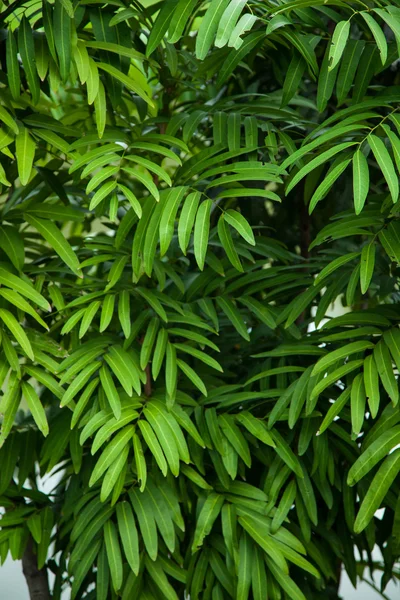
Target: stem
x,y
36,578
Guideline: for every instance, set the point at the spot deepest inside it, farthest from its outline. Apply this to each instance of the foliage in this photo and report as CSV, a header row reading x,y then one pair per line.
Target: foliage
x,y
186,188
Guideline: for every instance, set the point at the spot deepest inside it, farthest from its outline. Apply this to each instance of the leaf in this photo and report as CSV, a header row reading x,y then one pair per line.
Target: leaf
x,y
140,462
390,240
158,576
113,554
371,382
13,75
378,34
341,353
316,162
13,245
236,220
126,81
367,266
179,20
201,232
154,446
27,52
166,439
378,489
129,536
11,322
160,26
385,164
192,375
168,216
62,38
227,244
209,26
245,562
293,78
348,68
81,58
360,180
206,519
370,457
57,241
187,218
284,506
36,408
100,108
110,391
339,40
25,153
234,316
335,376
110,453
147,524
358,400
384,364
228,21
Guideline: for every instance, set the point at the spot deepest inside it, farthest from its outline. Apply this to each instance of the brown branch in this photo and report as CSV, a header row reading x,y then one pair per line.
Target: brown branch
x,y
36,578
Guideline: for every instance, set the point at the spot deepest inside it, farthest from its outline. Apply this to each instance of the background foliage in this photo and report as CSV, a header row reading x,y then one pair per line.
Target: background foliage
x,y
186,187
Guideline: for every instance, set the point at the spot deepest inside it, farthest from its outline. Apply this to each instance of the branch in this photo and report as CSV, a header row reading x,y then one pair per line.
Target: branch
x,y
36,578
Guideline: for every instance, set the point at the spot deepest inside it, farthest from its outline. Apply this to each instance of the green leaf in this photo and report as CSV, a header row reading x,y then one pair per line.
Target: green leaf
x,y
111,452
13,245
358,400
367,266
158,576
129,536
154,446
377,491
340,354
209,26
378,34
360,180
56,240
13,75
201,232
293,78
110,391
385,164
26,49
371,382
113,554
167,221
234,316
147,524
316,162
126,81
36,407
390,240
179,20
373,454
339,41
227,244
25,152
206,519
348,68
228,21
384,364
11,322
62,37
236,220
187,218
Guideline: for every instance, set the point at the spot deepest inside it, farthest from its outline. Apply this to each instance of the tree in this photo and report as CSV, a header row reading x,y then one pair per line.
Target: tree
x,y
186,188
